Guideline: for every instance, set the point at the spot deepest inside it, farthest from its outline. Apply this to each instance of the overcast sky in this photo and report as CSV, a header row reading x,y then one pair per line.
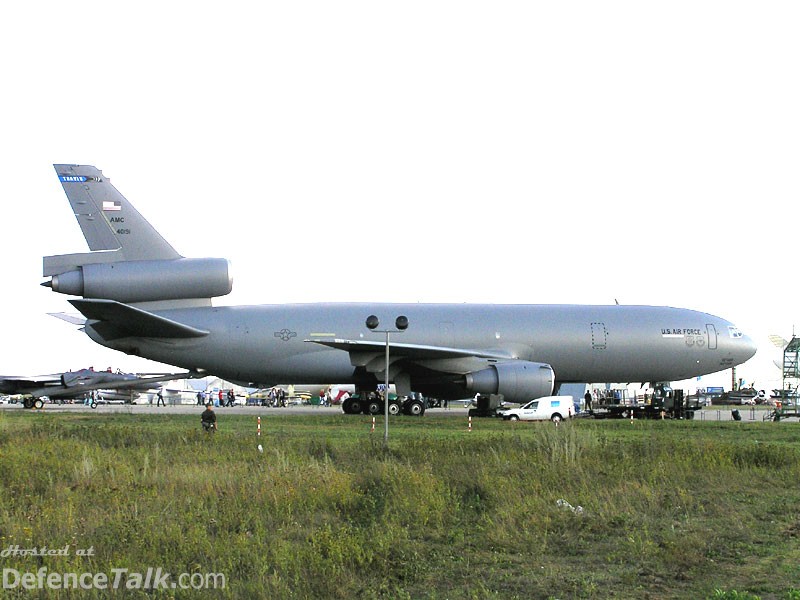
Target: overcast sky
x,y
520,152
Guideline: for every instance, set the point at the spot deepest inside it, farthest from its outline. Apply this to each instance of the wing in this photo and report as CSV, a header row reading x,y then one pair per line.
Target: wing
x,y
371,354
19,384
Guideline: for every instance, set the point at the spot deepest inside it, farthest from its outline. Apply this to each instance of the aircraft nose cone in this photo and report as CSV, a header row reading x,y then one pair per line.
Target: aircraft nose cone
x,y
748,348
741,348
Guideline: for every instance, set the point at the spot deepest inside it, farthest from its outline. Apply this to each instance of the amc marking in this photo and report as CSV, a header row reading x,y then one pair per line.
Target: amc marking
x,y
285,334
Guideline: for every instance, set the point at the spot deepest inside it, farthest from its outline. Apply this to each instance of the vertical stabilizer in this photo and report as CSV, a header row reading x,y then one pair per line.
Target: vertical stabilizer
x,y
108,221
129,261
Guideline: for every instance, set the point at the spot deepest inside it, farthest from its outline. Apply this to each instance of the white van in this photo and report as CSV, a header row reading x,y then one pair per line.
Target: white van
x,y
549,408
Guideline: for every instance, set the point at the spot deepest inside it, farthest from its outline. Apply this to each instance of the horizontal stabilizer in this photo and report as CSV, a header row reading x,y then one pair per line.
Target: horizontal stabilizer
x,y
117,320
69,318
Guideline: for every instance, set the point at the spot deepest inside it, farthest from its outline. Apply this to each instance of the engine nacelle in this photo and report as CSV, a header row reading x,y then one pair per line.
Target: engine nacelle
x,y
517,381
147,280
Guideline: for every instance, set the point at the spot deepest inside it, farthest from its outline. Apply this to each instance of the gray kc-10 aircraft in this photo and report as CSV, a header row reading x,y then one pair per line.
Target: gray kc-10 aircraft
x,y
141,297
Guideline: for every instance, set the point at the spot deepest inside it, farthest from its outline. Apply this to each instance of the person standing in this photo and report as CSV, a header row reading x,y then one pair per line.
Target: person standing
x,y
160,395
587,398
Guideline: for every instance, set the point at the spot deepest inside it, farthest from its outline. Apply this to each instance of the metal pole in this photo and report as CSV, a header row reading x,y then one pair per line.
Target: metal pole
x,y
386,397
372,324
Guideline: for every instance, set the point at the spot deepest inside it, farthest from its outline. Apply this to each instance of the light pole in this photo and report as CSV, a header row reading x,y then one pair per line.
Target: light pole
x,y
401,324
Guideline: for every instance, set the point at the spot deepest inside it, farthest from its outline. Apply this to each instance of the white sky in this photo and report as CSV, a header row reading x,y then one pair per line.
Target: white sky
x,y
522,152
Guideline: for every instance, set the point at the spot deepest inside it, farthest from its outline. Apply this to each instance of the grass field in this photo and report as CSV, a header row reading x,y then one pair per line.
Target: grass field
x,y
669,509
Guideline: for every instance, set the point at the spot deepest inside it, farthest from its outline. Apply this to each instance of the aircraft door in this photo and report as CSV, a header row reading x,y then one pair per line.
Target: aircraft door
x,y
711,331
599,336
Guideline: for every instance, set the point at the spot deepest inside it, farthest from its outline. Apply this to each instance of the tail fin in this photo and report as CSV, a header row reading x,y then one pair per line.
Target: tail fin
x,y
108,221
129,261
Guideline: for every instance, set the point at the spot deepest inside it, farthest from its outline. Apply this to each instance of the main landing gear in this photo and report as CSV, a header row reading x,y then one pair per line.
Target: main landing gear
x,y
372,404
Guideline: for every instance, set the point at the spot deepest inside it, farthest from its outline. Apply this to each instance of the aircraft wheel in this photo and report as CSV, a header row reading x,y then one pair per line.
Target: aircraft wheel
x,y
38,403
416,408
374,407
351,406
27,403
394,408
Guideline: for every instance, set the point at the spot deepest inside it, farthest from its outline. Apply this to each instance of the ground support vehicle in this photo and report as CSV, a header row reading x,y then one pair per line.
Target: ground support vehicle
x,y
548,408
32,402
486,406
783,410
665,403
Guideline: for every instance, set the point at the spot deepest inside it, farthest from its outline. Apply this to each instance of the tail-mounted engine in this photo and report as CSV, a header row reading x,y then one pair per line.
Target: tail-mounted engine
x,y
147,280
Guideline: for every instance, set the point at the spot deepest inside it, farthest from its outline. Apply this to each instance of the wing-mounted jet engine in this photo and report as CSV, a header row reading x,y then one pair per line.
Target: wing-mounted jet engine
x,y
517,381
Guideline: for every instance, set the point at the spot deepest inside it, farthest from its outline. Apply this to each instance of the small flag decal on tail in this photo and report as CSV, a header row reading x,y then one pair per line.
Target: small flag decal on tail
x,y
111,205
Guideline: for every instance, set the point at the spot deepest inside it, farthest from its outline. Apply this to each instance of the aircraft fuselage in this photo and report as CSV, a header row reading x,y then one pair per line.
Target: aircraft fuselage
x,y
268,343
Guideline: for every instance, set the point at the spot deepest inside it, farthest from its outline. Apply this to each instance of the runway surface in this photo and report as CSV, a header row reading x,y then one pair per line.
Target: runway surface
x,y
456,410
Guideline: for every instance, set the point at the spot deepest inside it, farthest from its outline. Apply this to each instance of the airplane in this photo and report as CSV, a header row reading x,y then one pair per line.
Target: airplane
x,y
141,297
75,384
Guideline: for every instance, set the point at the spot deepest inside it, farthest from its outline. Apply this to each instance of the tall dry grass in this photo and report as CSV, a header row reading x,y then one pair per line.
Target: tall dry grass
x,y
667,510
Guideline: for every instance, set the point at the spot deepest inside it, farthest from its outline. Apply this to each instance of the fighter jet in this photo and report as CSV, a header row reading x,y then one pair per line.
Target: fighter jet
x,y
75,384
141,297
